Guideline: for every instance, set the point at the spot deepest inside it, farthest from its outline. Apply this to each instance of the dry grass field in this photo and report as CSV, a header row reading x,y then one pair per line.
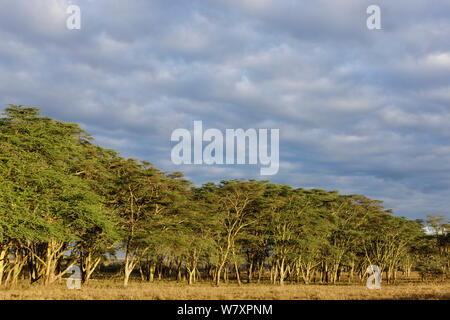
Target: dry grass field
x,y
112,290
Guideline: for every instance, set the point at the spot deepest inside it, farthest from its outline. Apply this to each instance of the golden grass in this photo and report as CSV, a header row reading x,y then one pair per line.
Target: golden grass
x,y
112,290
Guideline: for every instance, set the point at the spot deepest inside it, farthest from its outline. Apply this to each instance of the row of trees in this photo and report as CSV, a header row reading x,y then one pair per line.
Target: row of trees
x,y
66,201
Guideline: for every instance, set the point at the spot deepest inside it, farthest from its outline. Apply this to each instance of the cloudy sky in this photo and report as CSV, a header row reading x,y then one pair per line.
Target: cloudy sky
x,y
360,111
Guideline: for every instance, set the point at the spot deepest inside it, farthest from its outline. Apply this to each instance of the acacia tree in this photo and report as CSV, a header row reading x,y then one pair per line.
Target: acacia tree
x,y
255,241
233,202
94,167
347,214
65,200
388,241
146,202
193,235
433,254
292,213
133,201
57,204
282,227
312,236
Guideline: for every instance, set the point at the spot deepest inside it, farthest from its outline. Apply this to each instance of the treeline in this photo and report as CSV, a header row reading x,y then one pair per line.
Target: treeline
x,y
65,201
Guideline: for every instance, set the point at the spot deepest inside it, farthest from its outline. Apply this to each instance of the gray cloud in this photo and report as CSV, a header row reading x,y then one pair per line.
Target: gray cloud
x,y
359,111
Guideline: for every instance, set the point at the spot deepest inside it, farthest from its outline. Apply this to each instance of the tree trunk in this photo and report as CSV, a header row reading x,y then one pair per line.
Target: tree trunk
x,y
352,269
250,272
236,267
3,259
260,271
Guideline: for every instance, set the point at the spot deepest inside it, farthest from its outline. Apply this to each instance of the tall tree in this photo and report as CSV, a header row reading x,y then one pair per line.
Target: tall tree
x,y
57,204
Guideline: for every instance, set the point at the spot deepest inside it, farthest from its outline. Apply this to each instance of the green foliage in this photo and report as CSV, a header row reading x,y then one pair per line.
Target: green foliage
x,y
65,200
